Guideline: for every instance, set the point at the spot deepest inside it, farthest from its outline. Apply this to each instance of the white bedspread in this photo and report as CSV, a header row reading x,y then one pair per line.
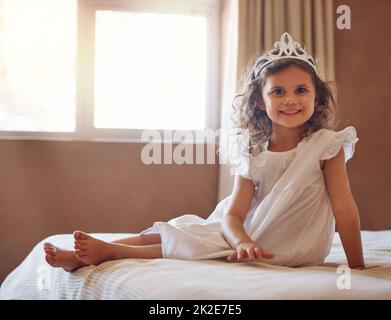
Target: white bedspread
x,y
207,279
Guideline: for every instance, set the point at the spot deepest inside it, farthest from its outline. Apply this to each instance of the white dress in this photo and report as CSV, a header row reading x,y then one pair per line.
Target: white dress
x,y
290,213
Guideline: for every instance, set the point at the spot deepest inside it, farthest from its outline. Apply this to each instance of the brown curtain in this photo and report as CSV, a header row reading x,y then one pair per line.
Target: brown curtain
x,y
310,22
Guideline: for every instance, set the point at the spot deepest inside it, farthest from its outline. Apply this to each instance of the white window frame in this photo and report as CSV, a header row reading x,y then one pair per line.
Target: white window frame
x,y
85,130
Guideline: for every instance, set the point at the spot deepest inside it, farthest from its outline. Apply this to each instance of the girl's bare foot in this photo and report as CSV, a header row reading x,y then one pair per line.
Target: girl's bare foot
x,y
62,258
91,250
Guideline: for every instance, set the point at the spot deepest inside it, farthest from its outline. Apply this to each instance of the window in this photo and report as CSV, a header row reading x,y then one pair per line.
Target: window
x,y
151,79
37,65
107,69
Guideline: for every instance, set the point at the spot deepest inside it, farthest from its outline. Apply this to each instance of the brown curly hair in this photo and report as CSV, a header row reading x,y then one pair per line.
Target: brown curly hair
x,y
247,116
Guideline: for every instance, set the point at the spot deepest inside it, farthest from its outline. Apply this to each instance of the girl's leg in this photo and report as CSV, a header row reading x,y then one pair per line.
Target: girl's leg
x,y
140,240
70,261
122,251
90,250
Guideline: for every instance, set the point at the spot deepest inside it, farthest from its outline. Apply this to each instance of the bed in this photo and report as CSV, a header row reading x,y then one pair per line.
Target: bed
x,y
207,279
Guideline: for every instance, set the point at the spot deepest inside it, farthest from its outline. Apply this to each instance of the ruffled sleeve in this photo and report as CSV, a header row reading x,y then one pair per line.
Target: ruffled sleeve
x,y
236,155
346,138
239,161
242,168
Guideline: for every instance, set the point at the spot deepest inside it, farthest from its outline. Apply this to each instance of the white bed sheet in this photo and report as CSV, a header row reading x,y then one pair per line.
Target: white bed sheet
x,y
206,279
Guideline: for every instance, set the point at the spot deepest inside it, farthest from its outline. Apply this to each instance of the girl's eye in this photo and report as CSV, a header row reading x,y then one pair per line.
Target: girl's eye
x,y
301,90
278,92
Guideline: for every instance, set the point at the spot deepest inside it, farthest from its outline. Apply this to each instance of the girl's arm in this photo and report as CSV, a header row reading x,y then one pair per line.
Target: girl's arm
x,y
233,220
344,209
240,203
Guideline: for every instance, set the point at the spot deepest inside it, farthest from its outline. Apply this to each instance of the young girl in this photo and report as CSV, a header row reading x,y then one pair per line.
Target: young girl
x,y
290,191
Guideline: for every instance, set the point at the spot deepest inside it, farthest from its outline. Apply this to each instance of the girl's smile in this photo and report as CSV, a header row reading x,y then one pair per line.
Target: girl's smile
x,y
291,113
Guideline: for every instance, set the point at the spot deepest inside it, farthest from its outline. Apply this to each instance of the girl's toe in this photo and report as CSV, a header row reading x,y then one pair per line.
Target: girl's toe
x,y
79,252
80,235
49,259
49,250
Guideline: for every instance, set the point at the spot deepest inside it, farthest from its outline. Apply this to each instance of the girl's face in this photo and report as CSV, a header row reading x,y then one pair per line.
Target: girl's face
x,y
289,97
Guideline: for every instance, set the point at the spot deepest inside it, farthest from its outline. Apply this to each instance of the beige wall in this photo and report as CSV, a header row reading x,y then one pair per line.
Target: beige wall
x,y
51,187
363,74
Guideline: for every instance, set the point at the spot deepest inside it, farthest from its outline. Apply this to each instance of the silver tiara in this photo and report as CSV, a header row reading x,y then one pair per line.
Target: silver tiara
x,y
285,48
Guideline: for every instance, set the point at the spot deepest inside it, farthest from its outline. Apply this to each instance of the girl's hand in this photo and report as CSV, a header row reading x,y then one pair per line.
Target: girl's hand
x,y
249,251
